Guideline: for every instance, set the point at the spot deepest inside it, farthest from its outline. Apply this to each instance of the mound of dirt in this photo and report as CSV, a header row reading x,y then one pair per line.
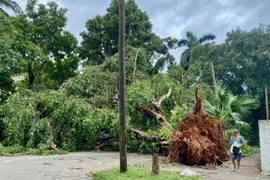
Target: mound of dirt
x,y
198,139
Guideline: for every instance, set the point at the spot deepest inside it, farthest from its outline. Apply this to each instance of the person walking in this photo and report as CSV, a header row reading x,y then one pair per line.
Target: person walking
x,y
236,143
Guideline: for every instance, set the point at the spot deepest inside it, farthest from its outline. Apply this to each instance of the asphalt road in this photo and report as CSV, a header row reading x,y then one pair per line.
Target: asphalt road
x,y
73,166
79,166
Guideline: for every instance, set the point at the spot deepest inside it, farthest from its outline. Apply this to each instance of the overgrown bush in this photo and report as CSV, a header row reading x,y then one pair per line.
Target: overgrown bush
x,y
37,119
74,116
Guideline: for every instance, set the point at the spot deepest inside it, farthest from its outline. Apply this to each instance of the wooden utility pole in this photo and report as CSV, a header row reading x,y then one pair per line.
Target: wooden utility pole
x,y
213,74
122,88
266,104
155,164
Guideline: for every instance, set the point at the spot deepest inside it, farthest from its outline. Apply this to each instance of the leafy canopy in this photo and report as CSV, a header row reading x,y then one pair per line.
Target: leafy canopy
x,y
191,42
100,40
48,50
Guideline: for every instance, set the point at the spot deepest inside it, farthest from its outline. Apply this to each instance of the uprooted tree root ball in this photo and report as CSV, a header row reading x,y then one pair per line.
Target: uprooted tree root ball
x,y
198,139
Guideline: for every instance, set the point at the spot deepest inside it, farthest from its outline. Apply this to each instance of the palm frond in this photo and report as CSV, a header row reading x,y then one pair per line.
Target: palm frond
x,y
4,12
12,5
231,99
230,108
220,89
241,123
182,42
190,35
209,108
243,104
186,53
207,37
235,116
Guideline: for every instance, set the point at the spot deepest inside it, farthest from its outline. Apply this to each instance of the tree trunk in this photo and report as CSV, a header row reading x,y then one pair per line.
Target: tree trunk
x,y
157,112
31,76
155,164
153,114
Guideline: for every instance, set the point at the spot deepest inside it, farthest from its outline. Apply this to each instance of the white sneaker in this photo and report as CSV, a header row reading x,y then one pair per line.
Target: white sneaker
x,y
233,170
238,170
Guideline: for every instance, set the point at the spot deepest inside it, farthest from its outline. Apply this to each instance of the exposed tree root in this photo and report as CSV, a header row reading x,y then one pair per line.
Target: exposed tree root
x,y
198,139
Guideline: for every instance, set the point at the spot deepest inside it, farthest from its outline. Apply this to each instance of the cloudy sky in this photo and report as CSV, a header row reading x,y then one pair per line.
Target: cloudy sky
x,y
175,17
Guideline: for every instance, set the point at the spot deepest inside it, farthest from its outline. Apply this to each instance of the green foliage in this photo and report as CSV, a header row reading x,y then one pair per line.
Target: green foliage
x,y
44,151
178,113
248,150
54,74
231,109
34,119
191,42
76,125
245,54
177,106
139,173
49,53
97,47
72,117
12,149
137,65
8,57
152,88
242,64
19,114
98,87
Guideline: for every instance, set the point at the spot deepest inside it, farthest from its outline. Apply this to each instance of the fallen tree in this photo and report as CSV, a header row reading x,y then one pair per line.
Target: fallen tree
x,y
157,112
198,139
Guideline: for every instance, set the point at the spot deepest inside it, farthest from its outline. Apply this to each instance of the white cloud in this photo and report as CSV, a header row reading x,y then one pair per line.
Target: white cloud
x,y
225,2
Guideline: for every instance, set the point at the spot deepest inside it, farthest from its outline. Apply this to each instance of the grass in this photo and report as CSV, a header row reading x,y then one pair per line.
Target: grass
x,y
139,173
12,150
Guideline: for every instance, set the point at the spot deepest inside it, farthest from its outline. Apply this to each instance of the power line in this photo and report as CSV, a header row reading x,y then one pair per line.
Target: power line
x,y
80,5
21,1
86,8
70,3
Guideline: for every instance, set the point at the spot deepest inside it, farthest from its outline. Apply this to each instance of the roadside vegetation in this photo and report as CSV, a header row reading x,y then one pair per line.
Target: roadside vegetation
x,y
140,173
57,109
15,150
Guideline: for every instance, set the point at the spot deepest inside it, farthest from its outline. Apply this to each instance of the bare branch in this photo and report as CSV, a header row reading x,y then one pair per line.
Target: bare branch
x,y
135,64
5,92
40,68
165,97
141,133
158,116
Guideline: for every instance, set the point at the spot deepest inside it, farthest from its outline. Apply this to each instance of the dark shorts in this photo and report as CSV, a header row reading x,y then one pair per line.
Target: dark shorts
x,y
236,156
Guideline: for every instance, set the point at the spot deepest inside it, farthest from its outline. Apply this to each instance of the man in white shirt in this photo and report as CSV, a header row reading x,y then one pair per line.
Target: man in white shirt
x,y
236,143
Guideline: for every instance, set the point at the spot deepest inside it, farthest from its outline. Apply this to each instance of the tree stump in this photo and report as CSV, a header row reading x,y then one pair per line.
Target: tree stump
x,y
155,164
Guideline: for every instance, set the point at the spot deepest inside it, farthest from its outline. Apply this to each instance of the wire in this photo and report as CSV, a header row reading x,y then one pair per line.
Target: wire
x,y
70,3
80,5
21,1
86,9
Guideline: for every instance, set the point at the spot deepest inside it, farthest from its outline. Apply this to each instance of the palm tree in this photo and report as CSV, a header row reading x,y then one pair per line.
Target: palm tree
x,y
230,108
191,42
11,5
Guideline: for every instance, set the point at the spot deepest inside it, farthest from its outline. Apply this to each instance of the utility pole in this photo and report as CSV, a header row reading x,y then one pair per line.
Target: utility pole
x,y
266,104
213,74
122,88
